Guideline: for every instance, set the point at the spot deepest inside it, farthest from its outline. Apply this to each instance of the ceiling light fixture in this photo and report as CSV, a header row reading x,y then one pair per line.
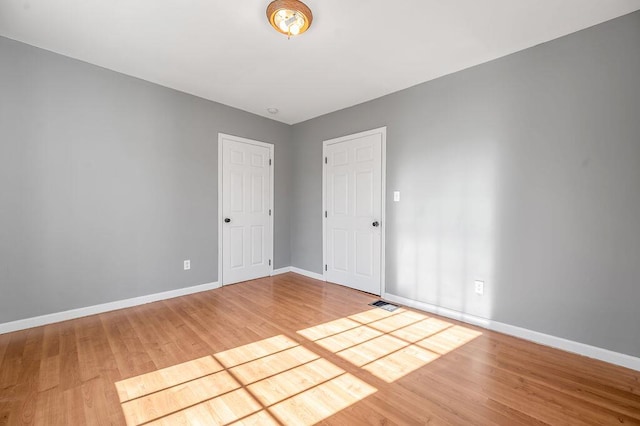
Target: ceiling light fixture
x,y
289,17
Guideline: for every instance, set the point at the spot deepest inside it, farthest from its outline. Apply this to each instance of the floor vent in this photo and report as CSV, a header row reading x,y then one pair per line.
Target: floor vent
x,y
384,305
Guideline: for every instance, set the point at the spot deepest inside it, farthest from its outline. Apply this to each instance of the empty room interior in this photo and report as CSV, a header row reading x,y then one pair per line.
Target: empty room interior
x,y
320,212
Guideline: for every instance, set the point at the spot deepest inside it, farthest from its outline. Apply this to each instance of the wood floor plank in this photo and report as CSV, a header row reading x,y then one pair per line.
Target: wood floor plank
x,y
50,360
12,360
293,350
567,382
69,362
4,344
50,408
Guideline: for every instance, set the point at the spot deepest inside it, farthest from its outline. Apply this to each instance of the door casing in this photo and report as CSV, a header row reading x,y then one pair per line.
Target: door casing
x,y
221,137
383,132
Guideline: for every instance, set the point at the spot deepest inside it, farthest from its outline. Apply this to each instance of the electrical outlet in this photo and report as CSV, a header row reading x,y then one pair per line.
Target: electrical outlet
x,y
187,265
479,286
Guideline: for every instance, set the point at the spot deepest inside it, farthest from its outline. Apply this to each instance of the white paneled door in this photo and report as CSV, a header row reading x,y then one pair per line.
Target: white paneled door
x,y
353,216
246,221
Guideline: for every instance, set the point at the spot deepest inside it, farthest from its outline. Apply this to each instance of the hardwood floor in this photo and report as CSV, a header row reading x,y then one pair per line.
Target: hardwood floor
x,y
292,350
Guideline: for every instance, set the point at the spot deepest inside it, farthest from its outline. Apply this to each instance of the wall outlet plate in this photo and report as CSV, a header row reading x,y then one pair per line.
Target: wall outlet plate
x,y
187,265
479,287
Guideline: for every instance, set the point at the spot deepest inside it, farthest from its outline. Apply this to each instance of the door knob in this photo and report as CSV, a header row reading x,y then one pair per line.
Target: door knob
x,y
376,224
227,220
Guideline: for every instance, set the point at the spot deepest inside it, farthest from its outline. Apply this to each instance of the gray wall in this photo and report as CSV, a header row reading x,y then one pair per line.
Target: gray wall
x,y
107,183
523,172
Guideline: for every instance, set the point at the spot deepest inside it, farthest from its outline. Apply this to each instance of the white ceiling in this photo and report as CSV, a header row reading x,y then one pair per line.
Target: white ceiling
x,y
356,50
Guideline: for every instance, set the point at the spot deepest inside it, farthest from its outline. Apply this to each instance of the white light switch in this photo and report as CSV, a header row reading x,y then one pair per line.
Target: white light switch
x,y
396,196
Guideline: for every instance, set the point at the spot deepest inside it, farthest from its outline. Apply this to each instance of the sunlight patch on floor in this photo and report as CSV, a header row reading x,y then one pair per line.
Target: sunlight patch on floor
x,y
322,401
255,350
226,409
167,401
338,342
389,345
261,368
329,328
400,363
449,339
145,384
265,382
278,381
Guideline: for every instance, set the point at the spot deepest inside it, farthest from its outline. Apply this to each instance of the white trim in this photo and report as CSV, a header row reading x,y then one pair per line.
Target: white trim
x,y
601,354
383,214
383,198
22,324
281,271
309,274
324,209
220,218
272,158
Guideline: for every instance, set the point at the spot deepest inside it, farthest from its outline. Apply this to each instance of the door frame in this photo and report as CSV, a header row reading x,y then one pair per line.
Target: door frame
x,y
270,146
383,199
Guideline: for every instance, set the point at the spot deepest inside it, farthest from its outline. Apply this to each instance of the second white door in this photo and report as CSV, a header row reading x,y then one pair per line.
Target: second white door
x,y
353,195
246,194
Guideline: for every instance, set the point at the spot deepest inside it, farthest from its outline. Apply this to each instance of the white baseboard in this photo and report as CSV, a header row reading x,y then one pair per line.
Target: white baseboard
x,y
22,324
306,273
605,355
281,271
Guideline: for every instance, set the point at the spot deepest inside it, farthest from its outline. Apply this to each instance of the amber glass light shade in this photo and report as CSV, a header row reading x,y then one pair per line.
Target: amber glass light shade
x,y
289,17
